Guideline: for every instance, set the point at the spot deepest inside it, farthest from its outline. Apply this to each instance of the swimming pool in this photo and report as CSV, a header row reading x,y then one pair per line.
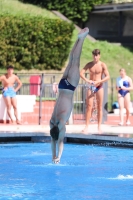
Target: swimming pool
x,y
85,172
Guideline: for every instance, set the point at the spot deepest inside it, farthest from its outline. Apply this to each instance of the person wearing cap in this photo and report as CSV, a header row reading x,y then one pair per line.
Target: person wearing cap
x,y
9,92
96,69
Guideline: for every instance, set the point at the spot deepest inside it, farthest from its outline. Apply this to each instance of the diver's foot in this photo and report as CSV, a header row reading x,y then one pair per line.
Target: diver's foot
x,y
18,122
85,130
56,160
83,33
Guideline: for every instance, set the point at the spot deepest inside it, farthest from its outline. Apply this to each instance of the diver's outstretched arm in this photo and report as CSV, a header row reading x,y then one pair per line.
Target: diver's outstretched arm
x,y
53,148
60,143
60,150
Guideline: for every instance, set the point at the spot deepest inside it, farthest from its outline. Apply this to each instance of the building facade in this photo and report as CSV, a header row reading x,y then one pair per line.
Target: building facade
x,y
112,22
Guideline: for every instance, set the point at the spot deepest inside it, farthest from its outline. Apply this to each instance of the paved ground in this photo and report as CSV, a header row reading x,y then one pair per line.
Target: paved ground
x,y
111,131
71,129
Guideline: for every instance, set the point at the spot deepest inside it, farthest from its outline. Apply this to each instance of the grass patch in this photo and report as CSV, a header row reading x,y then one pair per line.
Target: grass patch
x,y
15,7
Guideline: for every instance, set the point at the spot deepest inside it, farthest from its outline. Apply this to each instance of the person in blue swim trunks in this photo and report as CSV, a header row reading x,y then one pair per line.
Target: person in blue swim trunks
x,y
9,92
64,103
124,86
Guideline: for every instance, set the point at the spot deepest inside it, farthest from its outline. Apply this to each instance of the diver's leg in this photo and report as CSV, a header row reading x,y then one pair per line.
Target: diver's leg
x,y
74,57
73,73
65,74
71,55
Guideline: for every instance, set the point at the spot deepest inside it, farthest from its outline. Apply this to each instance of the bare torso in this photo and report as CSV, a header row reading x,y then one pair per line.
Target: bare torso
x,y
96,70
8,81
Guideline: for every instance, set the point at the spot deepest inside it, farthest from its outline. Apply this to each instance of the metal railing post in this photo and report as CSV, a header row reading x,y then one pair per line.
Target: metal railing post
x,y
40,99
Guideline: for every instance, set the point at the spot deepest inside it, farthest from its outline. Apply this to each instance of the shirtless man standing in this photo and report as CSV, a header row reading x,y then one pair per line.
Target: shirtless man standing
x,y
9,92
96,70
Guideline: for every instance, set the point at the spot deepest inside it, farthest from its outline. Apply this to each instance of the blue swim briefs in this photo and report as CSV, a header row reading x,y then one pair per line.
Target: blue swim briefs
x,y
9,92
64,84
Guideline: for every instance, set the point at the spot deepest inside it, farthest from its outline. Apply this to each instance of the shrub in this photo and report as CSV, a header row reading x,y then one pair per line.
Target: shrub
x,y
34,42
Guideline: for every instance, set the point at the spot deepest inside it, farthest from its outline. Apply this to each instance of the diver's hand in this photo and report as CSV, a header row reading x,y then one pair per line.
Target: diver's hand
x,y
56,160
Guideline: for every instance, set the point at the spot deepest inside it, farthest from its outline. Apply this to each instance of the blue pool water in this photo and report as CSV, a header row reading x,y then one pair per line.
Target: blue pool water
x,y
85,172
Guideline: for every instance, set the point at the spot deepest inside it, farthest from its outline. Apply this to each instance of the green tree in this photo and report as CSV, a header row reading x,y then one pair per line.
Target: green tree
x,y
76,10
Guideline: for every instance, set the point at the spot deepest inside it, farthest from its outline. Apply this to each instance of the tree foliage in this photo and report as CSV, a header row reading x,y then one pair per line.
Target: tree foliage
x,y
76,10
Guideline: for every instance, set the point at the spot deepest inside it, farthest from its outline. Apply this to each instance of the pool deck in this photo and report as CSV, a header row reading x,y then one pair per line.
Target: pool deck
x,y
112,133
